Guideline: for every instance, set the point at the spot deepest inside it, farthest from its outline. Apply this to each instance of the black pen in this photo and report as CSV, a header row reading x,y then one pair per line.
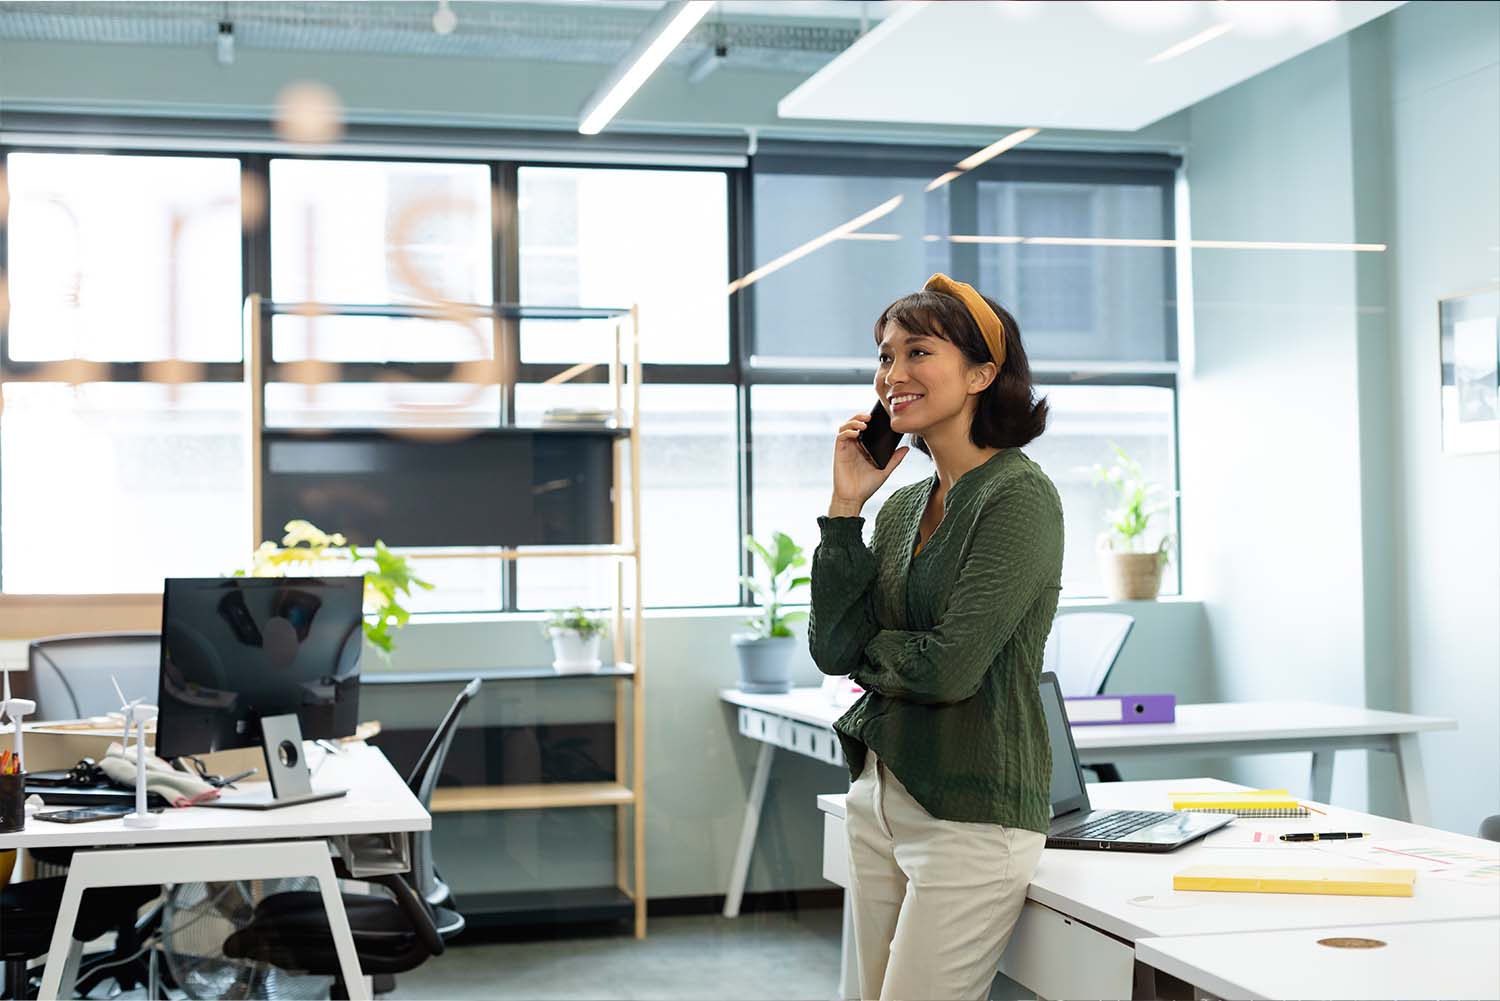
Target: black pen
x,y
1333,836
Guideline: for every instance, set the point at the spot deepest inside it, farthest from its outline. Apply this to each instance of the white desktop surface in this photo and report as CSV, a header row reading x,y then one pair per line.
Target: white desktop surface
x,y
378,802
1195,723
1099,887
1447,959
1228,722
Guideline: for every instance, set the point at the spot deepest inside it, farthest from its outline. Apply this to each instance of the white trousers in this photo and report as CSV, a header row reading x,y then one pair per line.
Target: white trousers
x,y
934,900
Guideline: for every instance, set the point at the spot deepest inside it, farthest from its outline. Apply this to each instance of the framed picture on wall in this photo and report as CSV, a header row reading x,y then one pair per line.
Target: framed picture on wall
x,y
1469,346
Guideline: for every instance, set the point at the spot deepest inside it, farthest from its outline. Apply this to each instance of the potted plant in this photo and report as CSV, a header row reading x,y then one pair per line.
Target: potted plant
x,y
306,549
765,652
575,639
1132,570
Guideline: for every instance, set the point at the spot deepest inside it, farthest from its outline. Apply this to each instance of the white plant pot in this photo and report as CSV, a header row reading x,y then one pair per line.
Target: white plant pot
x,y
574,653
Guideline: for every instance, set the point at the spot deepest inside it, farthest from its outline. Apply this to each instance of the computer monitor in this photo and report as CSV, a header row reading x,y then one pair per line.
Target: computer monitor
x,y
259,661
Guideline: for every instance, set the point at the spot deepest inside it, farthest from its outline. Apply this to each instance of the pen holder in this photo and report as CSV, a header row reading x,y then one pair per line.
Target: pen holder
x,y
12,803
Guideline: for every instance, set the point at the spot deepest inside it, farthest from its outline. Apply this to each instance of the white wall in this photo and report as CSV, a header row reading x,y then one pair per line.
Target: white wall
x,y
1445,82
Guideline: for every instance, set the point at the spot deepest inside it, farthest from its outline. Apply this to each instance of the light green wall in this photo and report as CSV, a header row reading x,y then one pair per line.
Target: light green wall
x,y
1445,230
698,768
1339,554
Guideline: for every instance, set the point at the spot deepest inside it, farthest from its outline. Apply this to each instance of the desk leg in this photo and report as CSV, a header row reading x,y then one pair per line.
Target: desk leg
x,y
197,864
1322,776
338,925
62,957
848,958
1413,781
741,868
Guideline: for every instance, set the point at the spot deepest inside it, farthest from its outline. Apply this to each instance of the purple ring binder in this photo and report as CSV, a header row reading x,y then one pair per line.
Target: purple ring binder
x,y
1103,710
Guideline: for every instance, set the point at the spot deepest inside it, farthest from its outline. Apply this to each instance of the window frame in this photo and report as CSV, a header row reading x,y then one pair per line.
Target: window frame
x,y
740,371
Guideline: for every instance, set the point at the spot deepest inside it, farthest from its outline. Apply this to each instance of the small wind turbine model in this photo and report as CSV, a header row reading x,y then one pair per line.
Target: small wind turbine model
x,y
138,714
16,710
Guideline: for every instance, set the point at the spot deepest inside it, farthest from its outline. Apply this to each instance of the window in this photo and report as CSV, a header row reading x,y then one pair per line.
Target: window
x,y
793,428
1071,244
109,486
658,239
743,389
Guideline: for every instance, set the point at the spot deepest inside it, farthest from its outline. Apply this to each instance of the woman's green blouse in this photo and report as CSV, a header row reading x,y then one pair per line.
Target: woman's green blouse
x,y
948,644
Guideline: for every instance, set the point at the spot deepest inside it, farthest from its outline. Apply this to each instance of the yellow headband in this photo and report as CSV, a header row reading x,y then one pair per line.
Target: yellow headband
x,y
989,324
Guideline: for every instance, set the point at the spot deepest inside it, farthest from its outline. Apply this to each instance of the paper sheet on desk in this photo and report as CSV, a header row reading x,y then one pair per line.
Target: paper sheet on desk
x,y
1430,857
1234,836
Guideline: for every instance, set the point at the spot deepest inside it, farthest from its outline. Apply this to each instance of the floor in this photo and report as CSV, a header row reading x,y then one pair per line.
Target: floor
x,y
779,955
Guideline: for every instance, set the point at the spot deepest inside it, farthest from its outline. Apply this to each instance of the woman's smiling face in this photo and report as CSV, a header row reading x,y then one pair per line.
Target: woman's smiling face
x,y
922,379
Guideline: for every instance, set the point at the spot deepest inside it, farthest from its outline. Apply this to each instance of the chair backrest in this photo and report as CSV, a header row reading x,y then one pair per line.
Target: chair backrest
x,y
1083,647
1489,828
70,674
423,780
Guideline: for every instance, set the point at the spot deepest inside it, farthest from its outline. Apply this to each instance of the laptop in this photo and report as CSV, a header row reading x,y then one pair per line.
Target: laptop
x,y
1075,824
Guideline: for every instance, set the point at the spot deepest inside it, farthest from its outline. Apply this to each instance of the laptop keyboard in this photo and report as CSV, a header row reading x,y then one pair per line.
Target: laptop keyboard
x,y
1114,825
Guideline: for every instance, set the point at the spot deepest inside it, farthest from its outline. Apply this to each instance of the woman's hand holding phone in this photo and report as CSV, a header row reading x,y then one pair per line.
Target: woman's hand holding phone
x,y
855,476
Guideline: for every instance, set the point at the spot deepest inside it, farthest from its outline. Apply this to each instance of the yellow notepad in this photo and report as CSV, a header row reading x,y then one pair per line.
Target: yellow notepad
x,y
1369,882
1252,799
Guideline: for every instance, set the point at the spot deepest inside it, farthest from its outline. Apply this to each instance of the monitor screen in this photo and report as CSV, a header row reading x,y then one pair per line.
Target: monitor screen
x,y
1068,793
236,649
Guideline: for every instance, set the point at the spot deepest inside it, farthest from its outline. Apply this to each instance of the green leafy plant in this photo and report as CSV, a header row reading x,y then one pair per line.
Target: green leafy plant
x,y
305,549
780,559
1136,501
576,620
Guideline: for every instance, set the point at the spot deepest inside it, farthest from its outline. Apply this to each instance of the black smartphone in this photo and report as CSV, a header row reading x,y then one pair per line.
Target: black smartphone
x,y
878,439
84,814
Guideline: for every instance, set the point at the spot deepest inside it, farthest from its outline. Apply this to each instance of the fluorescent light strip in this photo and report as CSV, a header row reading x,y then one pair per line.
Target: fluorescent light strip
x,y
1192,43
671,26
797,253
871,236
1101,241
985,155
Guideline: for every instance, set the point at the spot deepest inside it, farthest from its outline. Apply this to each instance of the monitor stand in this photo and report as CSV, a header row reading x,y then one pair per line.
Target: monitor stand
x,y
291,782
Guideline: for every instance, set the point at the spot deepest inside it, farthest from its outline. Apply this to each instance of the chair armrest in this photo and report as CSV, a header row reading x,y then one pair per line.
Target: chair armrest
x,y
416,911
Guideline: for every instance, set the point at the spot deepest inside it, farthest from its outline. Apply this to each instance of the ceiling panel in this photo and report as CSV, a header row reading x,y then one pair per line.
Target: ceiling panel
x,y
1082,65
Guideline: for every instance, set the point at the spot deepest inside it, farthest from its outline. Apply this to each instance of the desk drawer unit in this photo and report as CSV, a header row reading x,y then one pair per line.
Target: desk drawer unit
x,y
1060,957
804,738
835,851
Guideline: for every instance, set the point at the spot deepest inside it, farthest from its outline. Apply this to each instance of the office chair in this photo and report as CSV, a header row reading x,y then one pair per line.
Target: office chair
x,y
70,675
391,934
28,910
1081,650
1489,828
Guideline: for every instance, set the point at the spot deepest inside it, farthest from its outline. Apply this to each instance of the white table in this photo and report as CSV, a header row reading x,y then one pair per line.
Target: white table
x,y
203,844
1440,959
802,720
1085,910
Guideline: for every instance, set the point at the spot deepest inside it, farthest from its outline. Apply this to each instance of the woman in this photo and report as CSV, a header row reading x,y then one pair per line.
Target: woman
x,y
942,621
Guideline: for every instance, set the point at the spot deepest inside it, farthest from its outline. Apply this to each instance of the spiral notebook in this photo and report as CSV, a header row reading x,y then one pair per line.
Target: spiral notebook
x,y
1250,803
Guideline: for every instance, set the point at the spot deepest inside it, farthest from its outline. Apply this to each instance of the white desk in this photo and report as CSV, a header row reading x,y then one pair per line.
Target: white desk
x,y
1443,959
802,720
203,844
1086,909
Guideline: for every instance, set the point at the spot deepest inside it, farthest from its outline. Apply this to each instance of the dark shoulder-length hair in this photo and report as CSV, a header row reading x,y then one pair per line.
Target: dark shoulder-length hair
x,y
1008,414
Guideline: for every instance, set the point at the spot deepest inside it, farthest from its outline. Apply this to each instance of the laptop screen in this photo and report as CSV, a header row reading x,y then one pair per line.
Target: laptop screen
x,y
1068,793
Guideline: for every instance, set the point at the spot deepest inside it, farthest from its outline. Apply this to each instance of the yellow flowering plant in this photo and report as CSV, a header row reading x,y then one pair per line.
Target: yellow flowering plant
x,y
305,549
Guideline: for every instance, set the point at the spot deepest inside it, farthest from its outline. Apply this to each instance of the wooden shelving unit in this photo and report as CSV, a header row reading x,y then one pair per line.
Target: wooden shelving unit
x,y
626,673
544,796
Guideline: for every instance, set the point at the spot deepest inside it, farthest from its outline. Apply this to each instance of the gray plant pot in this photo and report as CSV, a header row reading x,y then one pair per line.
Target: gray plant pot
x,y
765,664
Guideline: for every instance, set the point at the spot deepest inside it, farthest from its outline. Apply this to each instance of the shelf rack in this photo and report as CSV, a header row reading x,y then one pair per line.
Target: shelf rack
x,y
628,794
